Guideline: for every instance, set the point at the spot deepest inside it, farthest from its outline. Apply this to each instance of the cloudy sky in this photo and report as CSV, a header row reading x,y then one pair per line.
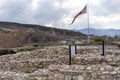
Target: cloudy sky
x,y
103,14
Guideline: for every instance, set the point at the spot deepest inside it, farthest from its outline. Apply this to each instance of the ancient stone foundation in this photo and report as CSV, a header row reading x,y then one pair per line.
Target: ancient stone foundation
x,y
77,72
67,72
51,63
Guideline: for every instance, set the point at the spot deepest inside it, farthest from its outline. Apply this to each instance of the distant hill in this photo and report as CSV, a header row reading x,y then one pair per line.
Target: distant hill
x,y
16,34
100,32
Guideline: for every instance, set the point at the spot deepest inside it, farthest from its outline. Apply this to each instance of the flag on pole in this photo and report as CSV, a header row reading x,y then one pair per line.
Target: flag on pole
x,y
84,10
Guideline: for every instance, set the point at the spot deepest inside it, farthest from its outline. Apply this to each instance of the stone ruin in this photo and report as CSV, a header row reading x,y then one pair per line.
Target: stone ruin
x,y
52,63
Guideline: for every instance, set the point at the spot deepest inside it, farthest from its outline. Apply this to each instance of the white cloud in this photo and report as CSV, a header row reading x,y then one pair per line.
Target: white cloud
x,y
49,25
111,21
72,4
94,2
59,13
2,2
34,4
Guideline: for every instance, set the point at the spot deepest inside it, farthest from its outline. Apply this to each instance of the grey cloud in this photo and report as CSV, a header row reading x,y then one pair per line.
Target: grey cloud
x,y
106,8
13,8
47,12
20,11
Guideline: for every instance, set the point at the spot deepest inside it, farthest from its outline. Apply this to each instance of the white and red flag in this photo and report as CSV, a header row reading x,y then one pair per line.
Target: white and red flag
x,y
84,10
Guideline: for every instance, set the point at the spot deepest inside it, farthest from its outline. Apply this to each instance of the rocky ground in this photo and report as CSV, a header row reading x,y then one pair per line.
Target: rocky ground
x,y
38,64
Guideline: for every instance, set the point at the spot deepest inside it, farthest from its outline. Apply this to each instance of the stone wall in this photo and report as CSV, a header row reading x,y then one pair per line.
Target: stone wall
x,y
77,72
51,63
66,72
96,59
29,66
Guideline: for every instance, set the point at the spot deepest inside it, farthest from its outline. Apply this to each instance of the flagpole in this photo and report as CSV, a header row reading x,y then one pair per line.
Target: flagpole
x,y
88,19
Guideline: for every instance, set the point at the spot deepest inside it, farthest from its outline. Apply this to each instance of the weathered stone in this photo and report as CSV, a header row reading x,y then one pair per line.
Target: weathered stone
x,y
114,72
59,76
102,69
88,68
80,78
118,63
108,59
105,72
68,77
41,78
108,68
117,69
82,67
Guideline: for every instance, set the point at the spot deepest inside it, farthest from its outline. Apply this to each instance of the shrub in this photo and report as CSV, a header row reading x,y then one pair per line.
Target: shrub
x,y
97,39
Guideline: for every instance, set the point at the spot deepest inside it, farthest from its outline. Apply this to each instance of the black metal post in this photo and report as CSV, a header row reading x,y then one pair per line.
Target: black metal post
x,y
69,54
103,48
75,49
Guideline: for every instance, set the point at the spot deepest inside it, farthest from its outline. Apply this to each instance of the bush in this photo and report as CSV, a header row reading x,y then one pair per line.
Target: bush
x,y
97,39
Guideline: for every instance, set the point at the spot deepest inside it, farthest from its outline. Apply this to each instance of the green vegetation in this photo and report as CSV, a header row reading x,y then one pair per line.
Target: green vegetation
x,y
1,49
97,39
5,29
26,49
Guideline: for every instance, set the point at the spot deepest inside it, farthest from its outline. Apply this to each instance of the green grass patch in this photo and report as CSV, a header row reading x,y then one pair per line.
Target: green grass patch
x,y
26,49
5,29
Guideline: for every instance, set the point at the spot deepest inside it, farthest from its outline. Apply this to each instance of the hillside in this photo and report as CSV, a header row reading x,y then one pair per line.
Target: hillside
x,y
16,34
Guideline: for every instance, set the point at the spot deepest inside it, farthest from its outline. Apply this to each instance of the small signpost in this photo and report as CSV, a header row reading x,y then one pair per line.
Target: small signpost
x,y
72,52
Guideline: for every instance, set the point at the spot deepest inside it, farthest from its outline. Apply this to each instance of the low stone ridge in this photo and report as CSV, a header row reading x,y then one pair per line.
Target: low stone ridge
x,y
51,63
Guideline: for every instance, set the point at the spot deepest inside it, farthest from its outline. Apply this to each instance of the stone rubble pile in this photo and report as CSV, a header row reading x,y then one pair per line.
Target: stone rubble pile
x,y
78,72
51,63
8,75
31,61
96,59
47,53
16,75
